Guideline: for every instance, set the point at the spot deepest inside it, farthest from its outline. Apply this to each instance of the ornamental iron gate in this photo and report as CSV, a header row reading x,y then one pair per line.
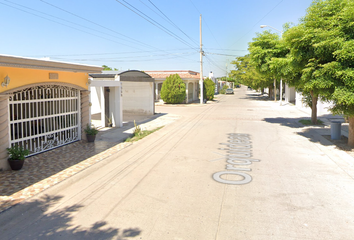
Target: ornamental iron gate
x,y
44,117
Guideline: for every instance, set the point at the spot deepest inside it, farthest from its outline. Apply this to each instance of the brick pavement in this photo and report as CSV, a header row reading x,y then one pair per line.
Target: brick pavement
x,y
47,169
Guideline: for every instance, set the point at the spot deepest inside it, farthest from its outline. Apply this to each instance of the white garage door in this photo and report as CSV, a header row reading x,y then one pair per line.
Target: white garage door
x,y
44,117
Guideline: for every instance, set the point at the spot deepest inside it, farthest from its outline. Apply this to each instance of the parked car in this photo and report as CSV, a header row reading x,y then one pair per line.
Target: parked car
x,y
229,91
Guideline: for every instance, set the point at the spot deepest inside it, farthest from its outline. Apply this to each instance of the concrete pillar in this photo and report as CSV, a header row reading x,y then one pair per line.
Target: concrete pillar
x,y
153,95
156,91
117,107
187,91
4,132
289,93
85,112
103,107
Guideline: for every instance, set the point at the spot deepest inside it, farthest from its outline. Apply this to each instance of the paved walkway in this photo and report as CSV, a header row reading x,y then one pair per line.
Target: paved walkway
x,y
47,169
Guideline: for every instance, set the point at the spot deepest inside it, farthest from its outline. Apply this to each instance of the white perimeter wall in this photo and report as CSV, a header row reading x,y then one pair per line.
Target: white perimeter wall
x,y
322,107
138,97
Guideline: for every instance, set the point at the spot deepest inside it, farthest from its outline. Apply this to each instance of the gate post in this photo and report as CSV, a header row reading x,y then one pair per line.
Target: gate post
x,y
85,112
4,132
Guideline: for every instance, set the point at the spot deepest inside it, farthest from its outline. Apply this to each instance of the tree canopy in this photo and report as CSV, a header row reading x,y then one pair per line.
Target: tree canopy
x,y
247,74
316,56
321,53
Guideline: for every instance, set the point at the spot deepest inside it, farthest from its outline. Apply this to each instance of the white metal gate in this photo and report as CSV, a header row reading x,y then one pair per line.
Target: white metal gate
x,y
44,117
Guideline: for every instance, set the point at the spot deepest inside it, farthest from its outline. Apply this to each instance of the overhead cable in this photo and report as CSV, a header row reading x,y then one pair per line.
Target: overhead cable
x,y
153,22
173,23
97,24
48,19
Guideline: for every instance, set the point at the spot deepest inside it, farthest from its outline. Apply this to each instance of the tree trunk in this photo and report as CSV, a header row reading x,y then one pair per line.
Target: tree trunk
x,y
275,90
314,108
351,131
270,92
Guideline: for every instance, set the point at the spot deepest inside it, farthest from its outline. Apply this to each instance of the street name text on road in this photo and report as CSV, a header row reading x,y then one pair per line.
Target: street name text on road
x,y
239,153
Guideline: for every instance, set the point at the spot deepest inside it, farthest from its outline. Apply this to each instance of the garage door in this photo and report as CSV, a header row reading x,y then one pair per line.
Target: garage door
x,y
44,117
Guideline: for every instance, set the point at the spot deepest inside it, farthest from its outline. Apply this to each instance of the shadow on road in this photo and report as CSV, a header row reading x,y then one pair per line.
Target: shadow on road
x,y
257,97
288,122
315,133
34,222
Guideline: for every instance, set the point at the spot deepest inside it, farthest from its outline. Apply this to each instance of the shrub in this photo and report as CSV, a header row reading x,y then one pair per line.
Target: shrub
x,y
17,152
223,90
209,89
137,129
173,89
91,130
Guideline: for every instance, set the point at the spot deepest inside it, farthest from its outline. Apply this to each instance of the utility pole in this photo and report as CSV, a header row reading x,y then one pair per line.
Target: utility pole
x,y
201,62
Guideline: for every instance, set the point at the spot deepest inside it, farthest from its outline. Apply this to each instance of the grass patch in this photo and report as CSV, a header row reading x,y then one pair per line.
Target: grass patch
x,y
308,122
140,135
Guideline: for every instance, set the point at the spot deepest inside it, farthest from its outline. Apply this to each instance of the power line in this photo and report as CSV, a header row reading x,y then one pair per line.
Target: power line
x,y
22,10
173,22
205,23
213,63
97,24
221,54
142,56
258,22
122,60
64,10
46,14
153,22
111,53
224,49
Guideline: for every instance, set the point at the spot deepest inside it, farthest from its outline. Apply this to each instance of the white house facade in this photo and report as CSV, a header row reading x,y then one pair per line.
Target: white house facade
x,y
190,79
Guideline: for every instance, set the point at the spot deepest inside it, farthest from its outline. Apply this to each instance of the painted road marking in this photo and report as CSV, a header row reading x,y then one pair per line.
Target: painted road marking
x,y
238,153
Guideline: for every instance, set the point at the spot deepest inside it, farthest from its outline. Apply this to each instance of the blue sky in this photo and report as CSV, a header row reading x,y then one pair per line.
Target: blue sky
x,y
106,32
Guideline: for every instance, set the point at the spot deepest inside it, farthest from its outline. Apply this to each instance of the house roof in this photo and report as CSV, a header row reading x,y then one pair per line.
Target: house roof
x,y
112,74
130,75
184,74
22,62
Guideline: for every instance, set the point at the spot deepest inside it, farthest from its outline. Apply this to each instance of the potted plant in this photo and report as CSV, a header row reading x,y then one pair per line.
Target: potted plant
x,y
109,122
91,133
17,156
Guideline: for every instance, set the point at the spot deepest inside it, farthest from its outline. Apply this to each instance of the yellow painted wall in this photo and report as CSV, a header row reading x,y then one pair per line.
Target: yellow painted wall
x,y
23,76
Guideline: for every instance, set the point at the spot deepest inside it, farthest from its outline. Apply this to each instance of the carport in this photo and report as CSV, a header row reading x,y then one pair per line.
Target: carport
x,y
133,94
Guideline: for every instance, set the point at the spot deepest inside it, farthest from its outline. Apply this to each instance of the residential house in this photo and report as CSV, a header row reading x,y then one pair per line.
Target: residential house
x,y
43,104
190,78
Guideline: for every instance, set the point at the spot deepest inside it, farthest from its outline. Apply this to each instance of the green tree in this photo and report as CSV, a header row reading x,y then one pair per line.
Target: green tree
x,y
173,89
246,73
209,89
322,47
106,68
264,48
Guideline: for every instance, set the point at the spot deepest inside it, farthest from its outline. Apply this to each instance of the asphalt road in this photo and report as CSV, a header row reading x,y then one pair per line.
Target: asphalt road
x,y
237,168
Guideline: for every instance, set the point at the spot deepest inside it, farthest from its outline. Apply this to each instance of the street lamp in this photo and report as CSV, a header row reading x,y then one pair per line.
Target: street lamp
x,y
281,80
